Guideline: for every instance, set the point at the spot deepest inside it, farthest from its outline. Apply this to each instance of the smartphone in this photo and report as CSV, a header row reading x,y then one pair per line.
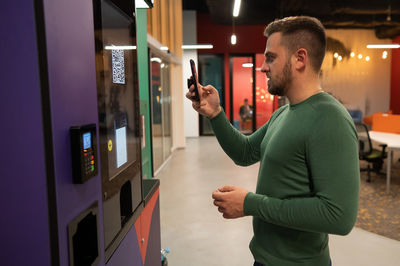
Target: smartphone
x,y
193,80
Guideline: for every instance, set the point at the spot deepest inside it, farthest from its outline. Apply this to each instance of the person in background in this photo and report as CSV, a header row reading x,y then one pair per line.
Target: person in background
x,y
246,114
308,180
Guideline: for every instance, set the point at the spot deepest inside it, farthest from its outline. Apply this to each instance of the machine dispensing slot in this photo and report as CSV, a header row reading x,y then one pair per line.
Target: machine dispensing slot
x,y
125,199
83,238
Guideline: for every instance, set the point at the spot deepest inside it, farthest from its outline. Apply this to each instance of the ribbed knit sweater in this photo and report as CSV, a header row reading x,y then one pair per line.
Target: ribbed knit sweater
x,y
308,181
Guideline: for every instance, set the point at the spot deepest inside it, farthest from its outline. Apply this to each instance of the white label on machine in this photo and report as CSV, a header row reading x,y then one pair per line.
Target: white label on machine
x,y
120,139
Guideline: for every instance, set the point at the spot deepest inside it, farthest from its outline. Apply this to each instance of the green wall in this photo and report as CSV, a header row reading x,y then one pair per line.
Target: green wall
x,y
143,65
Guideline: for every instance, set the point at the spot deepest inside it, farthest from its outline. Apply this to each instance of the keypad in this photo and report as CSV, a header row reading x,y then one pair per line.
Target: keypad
x,y
88,162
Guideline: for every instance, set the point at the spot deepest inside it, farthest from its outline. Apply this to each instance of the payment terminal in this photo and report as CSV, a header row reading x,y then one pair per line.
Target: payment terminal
x,y
84,152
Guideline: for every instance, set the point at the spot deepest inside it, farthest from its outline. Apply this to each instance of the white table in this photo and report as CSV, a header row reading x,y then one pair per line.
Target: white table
x,y
392,141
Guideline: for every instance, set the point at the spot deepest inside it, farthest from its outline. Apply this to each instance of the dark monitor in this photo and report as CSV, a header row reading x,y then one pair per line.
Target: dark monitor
x,y
119,117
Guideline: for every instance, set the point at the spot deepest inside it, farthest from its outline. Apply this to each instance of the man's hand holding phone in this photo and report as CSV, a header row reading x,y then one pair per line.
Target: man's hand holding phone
x,y
205,100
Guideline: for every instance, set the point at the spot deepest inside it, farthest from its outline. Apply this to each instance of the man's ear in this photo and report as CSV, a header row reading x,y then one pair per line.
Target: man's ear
x,y
301,58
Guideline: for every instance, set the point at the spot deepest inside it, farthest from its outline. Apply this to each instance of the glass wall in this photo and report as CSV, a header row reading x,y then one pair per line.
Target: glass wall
x,y
160,110
211,72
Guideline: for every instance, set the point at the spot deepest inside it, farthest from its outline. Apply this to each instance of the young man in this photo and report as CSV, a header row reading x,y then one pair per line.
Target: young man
x,y
308,181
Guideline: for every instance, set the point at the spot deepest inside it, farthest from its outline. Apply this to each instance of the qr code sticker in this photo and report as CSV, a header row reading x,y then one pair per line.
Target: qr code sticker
x,y
118,68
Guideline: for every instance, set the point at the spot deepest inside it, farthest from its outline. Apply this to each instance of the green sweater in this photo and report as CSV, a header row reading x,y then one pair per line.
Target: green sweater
x,y
308,181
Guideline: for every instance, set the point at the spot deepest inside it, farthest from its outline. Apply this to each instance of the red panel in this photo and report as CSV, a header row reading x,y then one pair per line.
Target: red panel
x,y
395,79
142,224
264,100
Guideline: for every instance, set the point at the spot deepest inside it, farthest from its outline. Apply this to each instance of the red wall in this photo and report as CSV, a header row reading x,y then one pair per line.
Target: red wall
x,y
395,79
250,39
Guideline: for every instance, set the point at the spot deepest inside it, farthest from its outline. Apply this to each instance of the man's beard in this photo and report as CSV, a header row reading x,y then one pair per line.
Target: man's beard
x,y
280,84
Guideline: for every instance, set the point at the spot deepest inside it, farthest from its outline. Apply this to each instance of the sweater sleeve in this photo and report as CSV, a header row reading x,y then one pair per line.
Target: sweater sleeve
x,y
243,150
332,159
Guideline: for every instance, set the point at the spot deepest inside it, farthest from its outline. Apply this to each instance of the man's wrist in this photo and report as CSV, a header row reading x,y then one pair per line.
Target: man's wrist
x,y
215,113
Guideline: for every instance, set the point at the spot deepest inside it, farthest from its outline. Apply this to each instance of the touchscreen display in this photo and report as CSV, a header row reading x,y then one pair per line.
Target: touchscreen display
x,y
87,142
118,105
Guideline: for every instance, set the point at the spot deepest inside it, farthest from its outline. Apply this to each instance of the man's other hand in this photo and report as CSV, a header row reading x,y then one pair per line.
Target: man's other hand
x,y
230,201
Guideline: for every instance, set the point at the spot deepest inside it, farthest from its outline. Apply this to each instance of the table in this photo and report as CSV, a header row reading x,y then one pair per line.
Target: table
x,y
392,141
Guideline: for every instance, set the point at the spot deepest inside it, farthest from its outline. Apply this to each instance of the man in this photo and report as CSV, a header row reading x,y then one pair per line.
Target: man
x,y
308,181
246,114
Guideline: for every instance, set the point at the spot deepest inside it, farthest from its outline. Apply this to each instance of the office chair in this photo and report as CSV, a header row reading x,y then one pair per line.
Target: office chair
x,y
367,153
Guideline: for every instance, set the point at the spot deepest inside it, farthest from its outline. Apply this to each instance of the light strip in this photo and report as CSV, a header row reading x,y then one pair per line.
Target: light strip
x,y
197,46
123,47
247,65
236,8
383,46
155,59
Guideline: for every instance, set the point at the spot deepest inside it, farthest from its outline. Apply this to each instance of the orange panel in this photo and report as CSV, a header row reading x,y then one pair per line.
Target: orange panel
x,y
386,123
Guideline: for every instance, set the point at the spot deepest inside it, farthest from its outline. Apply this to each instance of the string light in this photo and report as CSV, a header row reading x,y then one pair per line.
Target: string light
x,y
335,55
367,58
352,54
340,58
359,56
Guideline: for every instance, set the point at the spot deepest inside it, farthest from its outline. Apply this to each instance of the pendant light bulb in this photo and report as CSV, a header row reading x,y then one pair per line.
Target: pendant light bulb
x,y
233,39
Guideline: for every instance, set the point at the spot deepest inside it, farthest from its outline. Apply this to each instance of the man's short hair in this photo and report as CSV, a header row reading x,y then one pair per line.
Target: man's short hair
x,y
301,32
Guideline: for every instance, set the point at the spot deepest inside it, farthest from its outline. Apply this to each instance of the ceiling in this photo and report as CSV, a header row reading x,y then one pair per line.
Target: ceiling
x,y
381,15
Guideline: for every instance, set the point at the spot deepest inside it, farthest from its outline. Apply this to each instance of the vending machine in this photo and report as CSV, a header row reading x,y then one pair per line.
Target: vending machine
x,y
79,197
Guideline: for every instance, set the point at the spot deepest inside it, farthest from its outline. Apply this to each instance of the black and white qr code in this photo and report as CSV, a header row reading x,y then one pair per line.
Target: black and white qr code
x,y
118,68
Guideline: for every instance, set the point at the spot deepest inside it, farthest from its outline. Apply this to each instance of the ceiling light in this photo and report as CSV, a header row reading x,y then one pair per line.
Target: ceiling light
x,y
359,56
383,46
352,54
247,65
335,55
197,46
122,47
233,39
367,58
155,59
340,58
384,56
236,8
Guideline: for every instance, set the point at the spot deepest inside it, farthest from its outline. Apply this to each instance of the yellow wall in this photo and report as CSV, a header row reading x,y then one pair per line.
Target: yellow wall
x,y
164,23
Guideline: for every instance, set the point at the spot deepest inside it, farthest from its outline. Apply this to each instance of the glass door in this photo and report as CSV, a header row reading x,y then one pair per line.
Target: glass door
x,y
160,110
242,93
211,71
166,110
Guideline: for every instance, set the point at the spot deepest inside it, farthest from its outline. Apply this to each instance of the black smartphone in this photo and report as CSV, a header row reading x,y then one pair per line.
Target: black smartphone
x,y
193,80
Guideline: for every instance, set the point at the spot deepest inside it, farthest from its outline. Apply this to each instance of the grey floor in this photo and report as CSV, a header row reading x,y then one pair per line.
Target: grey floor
x,y
197,234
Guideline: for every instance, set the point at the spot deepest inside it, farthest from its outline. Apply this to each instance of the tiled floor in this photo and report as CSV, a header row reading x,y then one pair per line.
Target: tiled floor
x,y
197,234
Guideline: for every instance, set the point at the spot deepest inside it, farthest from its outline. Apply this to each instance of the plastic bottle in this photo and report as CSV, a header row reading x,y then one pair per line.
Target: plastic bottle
x,y
164,253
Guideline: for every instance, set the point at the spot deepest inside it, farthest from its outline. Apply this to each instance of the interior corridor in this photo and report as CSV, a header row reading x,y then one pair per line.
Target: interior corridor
x,y
196,233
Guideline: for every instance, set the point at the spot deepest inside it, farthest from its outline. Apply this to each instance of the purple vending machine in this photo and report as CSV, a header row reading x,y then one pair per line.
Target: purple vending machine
x,y
76,196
